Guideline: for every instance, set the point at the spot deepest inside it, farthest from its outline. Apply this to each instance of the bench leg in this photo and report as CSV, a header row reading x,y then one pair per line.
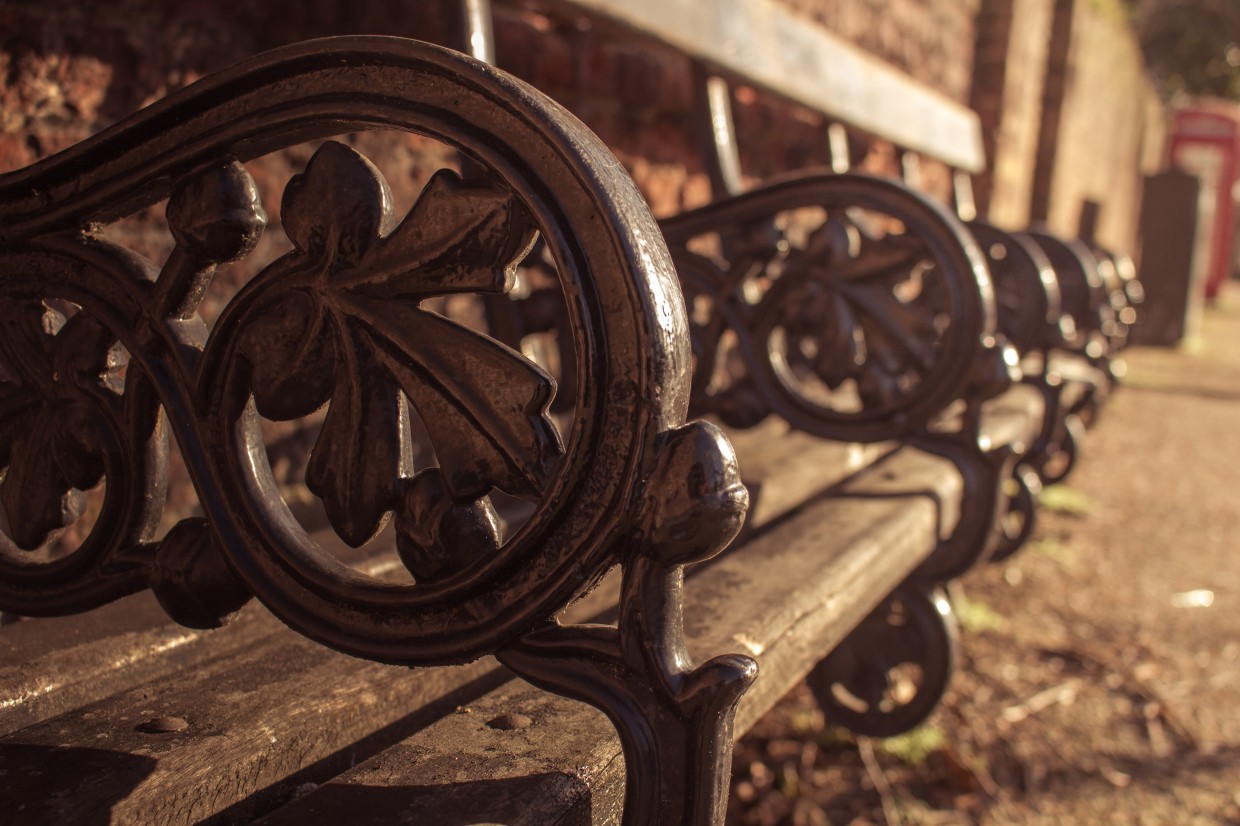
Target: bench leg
x,y
1018,523
675,720
983,504
864,685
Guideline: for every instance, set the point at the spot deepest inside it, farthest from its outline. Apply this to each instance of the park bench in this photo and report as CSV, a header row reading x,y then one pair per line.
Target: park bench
x,y
856,515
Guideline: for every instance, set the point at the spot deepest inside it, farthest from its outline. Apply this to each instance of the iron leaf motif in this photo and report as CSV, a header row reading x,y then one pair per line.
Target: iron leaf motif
x,y
47,429
342,321
850,319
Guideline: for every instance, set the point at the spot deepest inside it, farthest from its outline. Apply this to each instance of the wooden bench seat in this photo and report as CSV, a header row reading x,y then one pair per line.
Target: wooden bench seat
x,y
243,724
863,540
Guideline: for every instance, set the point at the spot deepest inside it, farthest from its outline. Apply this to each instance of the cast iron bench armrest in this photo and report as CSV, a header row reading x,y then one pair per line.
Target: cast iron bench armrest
x,y
872,323
104,354
856,331
868,319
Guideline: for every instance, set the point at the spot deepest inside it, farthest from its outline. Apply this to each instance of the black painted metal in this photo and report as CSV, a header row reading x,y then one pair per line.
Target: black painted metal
x,y
842,329
899,325
1124,294
717,138
1027,295
1082,290
674,719
1031,318
851,309
104,357
865,684
1020,516
1100,313
984,501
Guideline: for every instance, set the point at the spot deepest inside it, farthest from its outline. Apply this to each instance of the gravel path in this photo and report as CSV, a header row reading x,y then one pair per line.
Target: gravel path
x,y
1100,676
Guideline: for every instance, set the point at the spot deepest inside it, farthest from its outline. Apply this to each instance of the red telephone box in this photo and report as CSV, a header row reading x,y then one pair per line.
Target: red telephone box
x,y
1205,142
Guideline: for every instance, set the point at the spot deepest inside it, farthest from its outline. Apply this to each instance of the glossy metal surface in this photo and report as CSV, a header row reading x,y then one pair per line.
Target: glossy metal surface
x,y
862,686
105,357
1082,290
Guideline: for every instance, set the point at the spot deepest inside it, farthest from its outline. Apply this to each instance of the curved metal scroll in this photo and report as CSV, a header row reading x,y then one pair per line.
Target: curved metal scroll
x,y
1084,294
848,305
1031,317
103,355
1095,299
1021,515
1027,298
888,676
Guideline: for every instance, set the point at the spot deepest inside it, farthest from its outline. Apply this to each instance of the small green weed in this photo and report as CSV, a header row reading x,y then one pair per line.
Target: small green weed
x,y
1066,500
1050,547
977,616
913,747
806,721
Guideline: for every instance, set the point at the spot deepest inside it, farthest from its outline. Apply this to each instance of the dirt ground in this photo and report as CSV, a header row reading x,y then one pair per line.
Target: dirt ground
x,y
1099,677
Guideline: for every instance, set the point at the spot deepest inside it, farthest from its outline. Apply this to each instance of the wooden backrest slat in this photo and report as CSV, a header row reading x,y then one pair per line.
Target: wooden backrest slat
x,y
763,43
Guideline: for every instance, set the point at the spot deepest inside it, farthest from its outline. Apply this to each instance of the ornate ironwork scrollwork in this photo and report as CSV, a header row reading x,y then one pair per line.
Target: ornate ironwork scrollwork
x,y
1027,299
861,320
856,306
104,354
1083,293
889,674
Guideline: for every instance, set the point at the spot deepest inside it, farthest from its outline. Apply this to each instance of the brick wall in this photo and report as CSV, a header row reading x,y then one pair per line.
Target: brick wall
x,y
1012,49
70,69
1068,115
1102,125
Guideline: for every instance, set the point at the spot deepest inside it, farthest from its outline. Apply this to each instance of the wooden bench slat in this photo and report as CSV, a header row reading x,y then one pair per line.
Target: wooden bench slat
x,y
125,715
1013,418
766,44
51,665
784,468
784,597
253,722
565,767
799,589
101,695
1076,369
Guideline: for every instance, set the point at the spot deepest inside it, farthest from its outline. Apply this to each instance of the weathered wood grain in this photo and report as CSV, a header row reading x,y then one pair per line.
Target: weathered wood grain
x,y
1014,418
785,597
50,666
288,703
241,733
766,44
